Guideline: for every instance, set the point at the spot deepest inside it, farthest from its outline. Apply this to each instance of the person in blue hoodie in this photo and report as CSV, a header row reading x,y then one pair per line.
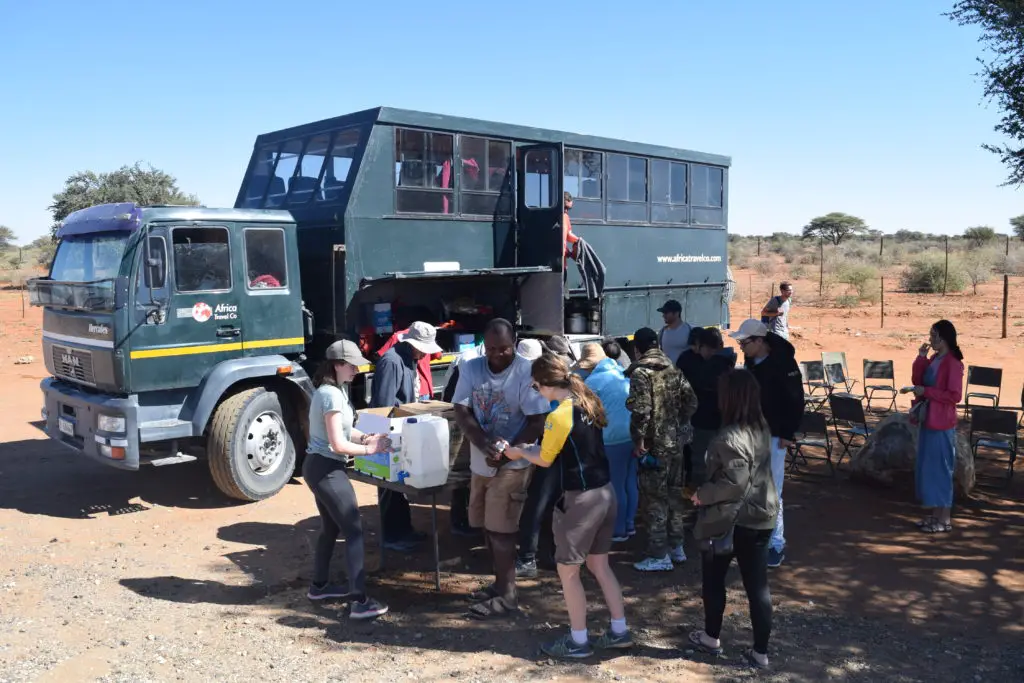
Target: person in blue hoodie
x,y
605,377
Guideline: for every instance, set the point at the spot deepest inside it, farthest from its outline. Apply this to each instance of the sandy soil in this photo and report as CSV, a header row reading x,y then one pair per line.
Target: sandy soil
x,y
153,576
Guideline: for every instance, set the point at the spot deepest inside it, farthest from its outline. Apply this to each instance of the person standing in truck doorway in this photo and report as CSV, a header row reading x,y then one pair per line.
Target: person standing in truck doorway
x,y
569,238
396,381
674,337
775,313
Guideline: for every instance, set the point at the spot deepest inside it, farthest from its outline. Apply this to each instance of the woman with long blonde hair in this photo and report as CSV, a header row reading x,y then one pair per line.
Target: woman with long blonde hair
x,y
584,517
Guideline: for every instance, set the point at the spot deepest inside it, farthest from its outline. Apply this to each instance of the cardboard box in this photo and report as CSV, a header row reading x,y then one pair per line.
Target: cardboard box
x,y
389,421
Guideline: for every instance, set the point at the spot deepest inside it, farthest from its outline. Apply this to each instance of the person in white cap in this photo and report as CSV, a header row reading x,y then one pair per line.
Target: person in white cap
x,y
396,381
530,349
333,441
772,360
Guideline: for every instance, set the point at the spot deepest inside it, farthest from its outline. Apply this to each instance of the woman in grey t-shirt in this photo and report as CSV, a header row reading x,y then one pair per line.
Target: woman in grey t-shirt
x,y
333,442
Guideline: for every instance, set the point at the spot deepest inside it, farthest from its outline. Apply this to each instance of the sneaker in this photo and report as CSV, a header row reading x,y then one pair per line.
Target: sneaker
x,y
400,546
526,569
613,641
631,533
327,591
620,539
567,648
775,557
678,555
655,564
367,609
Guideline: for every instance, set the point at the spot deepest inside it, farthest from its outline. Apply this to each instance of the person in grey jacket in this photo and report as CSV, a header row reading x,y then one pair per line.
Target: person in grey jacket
x,y
739,495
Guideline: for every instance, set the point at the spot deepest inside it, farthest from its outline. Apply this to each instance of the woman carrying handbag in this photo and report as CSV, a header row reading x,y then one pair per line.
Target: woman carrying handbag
x,y
738,506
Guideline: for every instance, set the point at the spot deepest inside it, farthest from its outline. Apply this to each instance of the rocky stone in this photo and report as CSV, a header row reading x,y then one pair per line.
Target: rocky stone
x,y
891,451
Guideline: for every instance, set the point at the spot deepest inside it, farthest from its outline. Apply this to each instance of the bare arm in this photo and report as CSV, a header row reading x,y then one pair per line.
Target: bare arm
x,y
339,444
469,425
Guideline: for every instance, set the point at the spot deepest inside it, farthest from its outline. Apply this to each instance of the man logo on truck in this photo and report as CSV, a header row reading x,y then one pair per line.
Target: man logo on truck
x,y
70,360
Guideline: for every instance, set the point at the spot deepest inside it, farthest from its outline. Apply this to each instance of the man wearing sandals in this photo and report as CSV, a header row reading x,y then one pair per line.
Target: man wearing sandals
x,y
496,405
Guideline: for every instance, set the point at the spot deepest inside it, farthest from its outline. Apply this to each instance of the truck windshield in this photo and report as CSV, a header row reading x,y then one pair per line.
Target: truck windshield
x,y
88,258
83,273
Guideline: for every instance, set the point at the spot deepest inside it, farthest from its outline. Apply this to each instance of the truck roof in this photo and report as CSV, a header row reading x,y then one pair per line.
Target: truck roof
x,y
418,119
128,217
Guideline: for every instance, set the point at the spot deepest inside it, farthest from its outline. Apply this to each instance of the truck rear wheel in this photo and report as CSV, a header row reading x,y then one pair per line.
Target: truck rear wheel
x,y
251,453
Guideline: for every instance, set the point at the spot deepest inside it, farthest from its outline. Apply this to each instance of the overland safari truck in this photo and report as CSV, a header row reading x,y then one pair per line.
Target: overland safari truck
x,y
175,333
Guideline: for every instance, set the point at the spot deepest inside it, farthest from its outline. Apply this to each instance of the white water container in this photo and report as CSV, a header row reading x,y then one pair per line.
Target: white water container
x,y
425,451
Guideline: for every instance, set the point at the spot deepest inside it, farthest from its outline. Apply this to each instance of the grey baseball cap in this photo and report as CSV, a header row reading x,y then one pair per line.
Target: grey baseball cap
x,y
347,351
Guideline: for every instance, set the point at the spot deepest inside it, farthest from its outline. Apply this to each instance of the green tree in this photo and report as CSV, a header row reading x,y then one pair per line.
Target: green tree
x,y
144,186
1017,224
835,227
7,237
980,235
1002,67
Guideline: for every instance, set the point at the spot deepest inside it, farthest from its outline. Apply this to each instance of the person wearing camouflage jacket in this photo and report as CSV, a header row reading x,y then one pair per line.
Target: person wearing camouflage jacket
x,y
661,402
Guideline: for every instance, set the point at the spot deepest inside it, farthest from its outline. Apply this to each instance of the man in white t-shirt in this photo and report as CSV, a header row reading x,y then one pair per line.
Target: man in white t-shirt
x,y
496,405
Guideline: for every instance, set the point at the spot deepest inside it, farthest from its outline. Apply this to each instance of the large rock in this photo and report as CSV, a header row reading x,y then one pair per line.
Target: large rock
x,y
891,451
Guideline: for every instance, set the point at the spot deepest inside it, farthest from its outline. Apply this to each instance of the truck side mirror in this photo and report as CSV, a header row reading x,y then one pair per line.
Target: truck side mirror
x,y
156,265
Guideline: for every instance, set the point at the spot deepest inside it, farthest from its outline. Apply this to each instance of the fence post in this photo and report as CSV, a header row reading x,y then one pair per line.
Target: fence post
x,y
759,247
881,245
1006,298
882,293
945,272
821,266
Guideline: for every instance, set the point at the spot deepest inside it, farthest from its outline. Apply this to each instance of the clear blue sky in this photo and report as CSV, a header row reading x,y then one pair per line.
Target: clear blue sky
x,y
866,107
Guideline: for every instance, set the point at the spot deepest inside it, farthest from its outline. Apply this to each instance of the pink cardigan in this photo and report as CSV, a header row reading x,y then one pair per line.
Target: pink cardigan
x,y
945,395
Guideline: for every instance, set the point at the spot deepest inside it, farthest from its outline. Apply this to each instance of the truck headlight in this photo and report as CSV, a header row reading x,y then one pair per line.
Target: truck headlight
x,y
109,423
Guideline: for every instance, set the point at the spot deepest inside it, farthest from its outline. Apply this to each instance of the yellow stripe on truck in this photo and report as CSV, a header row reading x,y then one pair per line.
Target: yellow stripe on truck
x,y
215,348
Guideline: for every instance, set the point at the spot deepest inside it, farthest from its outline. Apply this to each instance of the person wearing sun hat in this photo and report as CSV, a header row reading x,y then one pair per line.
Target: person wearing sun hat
x,y
396,381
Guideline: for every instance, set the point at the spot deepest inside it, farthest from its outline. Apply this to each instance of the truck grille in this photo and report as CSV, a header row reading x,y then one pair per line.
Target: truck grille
x,y
73,364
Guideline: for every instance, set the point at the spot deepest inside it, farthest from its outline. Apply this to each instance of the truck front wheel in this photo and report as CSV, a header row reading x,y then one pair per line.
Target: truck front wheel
x,y
250,451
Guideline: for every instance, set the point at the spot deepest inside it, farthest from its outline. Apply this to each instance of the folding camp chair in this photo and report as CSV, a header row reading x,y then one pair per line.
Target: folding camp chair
x,y
813,434
983,377
838,382
831,358
849,411
879,370
813,373
998,430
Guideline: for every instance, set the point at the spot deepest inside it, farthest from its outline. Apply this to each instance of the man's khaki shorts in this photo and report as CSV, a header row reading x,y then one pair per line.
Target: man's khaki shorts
x,y
495,503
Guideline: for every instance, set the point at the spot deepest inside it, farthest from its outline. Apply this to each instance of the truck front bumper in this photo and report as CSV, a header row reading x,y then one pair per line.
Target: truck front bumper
x,y
71,417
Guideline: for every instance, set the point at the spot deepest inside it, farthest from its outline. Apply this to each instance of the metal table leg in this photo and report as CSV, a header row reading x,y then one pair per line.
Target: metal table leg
x,y
380,531
437,550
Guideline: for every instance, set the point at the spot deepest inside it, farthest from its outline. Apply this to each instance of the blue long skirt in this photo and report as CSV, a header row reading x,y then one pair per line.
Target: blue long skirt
x,y
936,460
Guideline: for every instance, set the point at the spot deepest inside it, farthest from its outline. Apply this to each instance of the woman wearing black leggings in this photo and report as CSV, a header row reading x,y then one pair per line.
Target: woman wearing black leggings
x,y
740,499
333,441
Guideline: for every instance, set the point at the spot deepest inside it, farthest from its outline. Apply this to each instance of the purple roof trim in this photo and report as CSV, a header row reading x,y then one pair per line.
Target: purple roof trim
x,y
102,218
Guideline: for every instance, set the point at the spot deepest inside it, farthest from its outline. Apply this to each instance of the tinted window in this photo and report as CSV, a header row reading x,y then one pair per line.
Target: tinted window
x,y
424,160
540,182
587,208
668,213
484,166
668,182
627,211
266,264
287,161
708,186
202,259
339,163
303,185
583,173
263,166
627,178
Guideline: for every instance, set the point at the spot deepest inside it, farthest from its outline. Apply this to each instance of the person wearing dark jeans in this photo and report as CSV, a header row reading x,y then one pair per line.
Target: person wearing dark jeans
x,y
750,548
545,489
740,499
333,442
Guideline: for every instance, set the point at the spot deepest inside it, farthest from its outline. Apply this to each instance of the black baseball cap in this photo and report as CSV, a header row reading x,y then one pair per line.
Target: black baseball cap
x,y
671,306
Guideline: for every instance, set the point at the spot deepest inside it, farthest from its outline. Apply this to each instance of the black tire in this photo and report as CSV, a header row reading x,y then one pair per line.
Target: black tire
x,y
231,438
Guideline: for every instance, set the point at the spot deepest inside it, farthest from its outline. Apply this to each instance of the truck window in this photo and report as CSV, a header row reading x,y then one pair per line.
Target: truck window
x,y
584,180
265,262
302,187
339,163
708,195
668,191
423,172
287,160
202,259
539,179
627,188
485,165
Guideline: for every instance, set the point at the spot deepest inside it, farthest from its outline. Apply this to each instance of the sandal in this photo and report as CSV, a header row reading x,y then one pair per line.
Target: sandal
x,y
698,642
930,519
748,657
937,527
484,594
495,607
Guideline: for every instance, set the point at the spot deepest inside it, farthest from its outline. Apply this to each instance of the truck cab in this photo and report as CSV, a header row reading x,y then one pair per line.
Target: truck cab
x,y
173,333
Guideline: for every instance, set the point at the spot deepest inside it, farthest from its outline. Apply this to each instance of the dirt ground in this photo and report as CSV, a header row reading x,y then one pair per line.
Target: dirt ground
x,y
154,576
